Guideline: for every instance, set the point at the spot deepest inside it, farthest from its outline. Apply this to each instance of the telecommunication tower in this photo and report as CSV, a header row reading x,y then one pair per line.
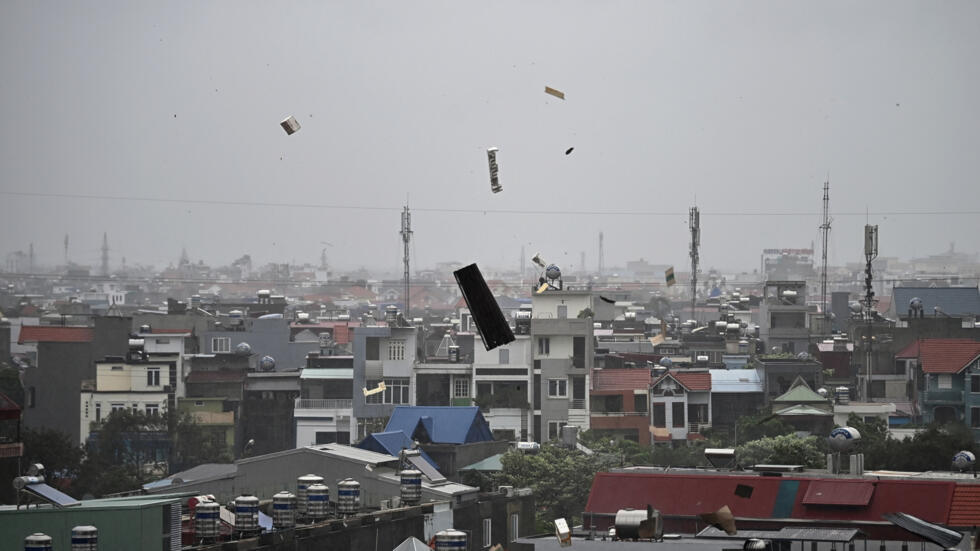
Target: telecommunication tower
x,y
695,223
406,233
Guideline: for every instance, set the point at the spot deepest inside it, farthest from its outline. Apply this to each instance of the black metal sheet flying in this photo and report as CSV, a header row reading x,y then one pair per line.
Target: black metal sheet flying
x,y
490,321
940,535
51,495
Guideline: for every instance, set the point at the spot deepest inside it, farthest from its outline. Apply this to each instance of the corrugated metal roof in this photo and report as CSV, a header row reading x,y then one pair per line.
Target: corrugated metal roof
x,y
840,535
43,333
444,424
950,300
839,492
391,443
327,373
965,507
735,380
802,409
691,380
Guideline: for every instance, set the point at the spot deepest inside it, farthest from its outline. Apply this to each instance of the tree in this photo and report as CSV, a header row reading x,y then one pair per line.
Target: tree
x,y
787,449
124,452
761,425
195,444
586,313
54,449
560,477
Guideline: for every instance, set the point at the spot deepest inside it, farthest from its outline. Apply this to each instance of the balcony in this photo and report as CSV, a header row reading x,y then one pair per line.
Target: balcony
x,y
314,407
697,428
576,403
942,397
595,413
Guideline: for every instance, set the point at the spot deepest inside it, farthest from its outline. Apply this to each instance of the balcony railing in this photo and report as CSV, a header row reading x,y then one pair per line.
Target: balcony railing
x,y
696,428
320,403
576,403
619,413
943,396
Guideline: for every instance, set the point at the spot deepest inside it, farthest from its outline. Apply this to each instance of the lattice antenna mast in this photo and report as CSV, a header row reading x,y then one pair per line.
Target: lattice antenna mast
x,y
870,253
406,233
825,230
105,254
695,224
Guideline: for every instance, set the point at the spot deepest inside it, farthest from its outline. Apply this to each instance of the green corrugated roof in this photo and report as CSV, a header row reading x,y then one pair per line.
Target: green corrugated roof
x,y
491,463
328,373
801,409
800,394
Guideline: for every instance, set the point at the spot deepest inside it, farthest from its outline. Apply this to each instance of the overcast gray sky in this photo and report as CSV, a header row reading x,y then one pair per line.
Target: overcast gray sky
x,y
743,107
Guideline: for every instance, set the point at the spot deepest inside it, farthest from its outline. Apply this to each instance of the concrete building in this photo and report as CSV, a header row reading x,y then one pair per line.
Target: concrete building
x,y
563,355
680,405
265,336
619,401
324,408
382,354
785,317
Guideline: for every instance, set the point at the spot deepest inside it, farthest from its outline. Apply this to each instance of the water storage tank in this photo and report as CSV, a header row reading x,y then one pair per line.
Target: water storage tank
x,y
243,349
450,540
246,514
628,523
84,538
302,483
843,395
964,460
318,501
348,496
37,542
283,510
267,363
843,439
411,486
206,519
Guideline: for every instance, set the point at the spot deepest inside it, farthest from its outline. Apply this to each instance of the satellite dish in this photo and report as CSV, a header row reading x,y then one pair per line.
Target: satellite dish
x,y
843,438
243,349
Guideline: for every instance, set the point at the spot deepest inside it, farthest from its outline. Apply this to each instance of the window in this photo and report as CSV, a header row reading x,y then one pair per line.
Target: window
x,y
396,392
220,345
504,356
461,387
945,381
975,417
562,311
557,388
98,412
514,526
554,429
544,346
975,383
117,407
152,409
136,409
153,376
396,349
659,415
677,410
117,368
640,403
487,542
163,341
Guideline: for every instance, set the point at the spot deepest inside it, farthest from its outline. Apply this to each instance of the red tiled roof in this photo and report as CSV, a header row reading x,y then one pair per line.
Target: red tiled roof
x,y
220,376
8,408
947,355
621,379
839,492
965,507
691,380
44,333
910,351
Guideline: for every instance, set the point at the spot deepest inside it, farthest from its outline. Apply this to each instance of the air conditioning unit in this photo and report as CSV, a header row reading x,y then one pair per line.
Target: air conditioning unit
x,y
506,490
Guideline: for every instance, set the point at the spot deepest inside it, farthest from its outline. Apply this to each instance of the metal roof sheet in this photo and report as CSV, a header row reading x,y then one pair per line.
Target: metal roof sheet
x,y
444,424
327,373
950,300
839,492
735,380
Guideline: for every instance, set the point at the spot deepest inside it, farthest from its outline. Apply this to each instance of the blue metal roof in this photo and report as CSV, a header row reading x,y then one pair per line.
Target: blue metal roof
x,y
954,301
441,424
391,443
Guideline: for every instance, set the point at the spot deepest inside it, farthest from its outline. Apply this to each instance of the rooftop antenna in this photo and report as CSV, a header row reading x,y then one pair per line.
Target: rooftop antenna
x,y
406,233
105,254
870,253
695,225
825,230
66,249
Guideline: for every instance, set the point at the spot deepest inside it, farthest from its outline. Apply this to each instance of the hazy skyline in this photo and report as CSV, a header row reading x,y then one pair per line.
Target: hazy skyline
x,y
741,107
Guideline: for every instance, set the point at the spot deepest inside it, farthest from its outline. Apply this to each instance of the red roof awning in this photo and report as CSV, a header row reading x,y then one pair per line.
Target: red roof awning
x,y
839,492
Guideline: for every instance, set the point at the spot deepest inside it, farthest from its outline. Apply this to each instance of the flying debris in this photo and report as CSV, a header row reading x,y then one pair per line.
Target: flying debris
x,y
494,182
380,388
490,322
609,300
557,93
290,125
569,150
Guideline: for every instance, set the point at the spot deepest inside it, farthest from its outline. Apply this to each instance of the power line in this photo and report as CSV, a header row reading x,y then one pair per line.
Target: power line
x,y
234,203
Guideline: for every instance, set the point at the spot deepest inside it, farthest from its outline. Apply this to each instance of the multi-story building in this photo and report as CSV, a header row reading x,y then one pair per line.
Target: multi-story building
x,y
562,351
680,405
324,408
619,403
503,383
382,353
785,317
947,380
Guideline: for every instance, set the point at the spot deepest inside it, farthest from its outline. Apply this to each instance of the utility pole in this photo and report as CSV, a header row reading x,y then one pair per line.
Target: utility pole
x,y
695,224
105,254
406,232
870,253
600,267
825,230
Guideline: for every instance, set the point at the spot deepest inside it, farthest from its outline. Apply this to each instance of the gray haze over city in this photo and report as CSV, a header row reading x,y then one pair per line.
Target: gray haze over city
x,y
742,108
